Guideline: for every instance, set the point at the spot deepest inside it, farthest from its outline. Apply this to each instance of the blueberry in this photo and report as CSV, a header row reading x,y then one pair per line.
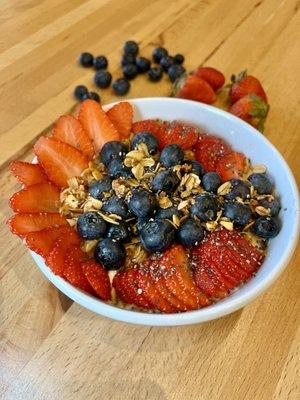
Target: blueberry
x,y
130,71
261,183
94,96
118,232
190,233
91,226
115,205
196,167
178,59
102,78
100,62
171,155
142,203
121,86
166,63
167,213
159,53
143,64
211,181
147,138
175,71
157,235
155,73
238,188
141,222
266,227
111,254
116,169
166,181
237,212
98,188
111,150
127,59
131,47
81,93
274,206
205,207
86,59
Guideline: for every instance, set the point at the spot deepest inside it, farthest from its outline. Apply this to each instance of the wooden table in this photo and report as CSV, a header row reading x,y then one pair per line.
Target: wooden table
x,y
52,349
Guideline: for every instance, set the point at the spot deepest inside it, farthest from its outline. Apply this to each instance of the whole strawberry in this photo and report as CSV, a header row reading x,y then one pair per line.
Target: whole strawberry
x,y
244,84
194,88
251,109
211,75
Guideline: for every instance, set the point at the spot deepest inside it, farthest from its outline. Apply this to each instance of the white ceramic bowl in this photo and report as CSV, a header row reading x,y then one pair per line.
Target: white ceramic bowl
x,y
243,138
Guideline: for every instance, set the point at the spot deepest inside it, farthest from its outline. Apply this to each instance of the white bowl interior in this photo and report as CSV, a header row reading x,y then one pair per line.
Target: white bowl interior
x,y
254,145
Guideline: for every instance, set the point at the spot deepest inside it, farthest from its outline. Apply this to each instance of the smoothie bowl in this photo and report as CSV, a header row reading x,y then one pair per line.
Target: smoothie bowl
x,y
157,211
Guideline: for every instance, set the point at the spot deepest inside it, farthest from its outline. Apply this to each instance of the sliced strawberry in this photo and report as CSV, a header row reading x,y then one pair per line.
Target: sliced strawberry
x,y
98,278
231,165
42,242
21,224
156,127
121,116
56,257
69,130
28,174
97,124
42,197
59,160
75,257
182,134
208,149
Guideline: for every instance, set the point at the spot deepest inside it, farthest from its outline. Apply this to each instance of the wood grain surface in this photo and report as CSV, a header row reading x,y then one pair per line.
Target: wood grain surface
x,y
52,349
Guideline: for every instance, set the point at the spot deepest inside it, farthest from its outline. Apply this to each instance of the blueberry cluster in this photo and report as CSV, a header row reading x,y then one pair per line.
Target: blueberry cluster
x,y
132,64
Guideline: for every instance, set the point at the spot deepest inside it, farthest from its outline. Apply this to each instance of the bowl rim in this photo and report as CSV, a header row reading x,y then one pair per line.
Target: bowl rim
x,y
217,310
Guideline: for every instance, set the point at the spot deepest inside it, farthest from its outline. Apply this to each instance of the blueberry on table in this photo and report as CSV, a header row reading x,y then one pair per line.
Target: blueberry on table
x,y
115,205
196,167
190,233
116,169
86,59
91,226
211,181
273,205
100,62
131,47
171,155
205,207
118,232
158,53
261,183
175,71
237,212
167,213
147,138
166,181
121,86
109,253
266,227
157,235
155,73
98,188
142,202
130,71
111,150
238,188
127,59
143,64
166,63
178,59
81,93
94,96
102,78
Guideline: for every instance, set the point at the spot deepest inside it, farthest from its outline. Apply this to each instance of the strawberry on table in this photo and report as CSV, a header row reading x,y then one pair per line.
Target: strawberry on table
x,y
98,278
42,197
211,75
208,149
192,87
69,130
97,124
231,165
21,224
244,84
59,160
121,116
251,109
28,174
